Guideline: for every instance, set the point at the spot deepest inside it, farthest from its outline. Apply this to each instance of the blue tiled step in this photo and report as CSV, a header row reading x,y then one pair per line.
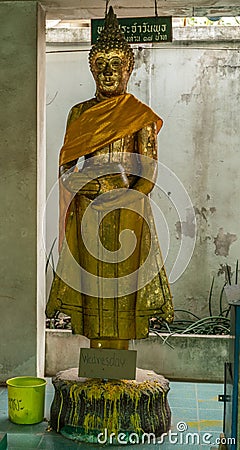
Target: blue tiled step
x,y
3,441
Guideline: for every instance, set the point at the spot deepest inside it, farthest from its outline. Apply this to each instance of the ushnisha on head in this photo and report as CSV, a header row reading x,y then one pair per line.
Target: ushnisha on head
x,y
111,59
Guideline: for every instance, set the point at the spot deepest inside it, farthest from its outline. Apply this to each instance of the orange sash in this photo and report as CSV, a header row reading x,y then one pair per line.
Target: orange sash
x,y
104,123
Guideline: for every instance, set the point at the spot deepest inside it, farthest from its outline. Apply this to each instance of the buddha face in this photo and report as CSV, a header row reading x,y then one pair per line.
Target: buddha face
x,y
110,71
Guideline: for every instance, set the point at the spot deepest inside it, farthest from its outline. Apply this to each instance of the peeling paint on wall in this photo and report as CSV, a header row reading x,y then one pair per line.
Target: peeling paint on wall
x,y
205,213
187,228
212,209
202,215
223,241
201,212
186,98
142,57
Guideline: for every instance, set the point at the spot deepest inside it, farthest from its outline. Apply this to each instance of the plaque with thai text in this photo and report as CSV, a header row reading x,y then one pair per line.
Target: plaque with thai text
x,y
138,29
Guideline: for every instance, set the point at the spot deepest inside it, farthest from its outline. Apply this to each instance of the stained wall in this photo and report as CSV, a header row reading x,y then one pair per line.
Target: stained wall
x,y
22,188
194,87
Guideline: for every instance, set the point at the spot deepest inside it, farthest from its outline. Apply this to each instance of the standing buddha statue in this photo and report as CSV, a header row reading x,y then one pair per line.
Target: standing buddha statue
x,y
117,135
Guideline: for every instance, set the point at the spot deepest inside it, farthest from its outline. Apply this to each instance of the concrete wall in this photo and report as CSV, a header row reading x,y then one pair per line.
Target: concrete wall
x,y
194,87
21,191
199,97
185,357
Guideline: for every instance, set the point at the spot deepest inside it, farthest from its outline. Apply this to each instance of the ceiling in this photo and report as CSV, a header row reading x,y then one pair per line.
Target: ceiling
x,y
87,9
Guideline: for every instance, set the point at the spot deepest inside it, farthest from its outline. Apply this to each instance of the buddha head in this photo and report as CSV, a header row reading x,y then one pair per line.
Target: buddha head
x,y
111,59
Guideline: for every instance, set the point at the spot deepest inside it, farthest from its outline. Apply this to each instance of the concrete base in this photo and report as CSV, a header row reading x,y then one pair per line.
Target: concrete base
x,y
87,409
207,355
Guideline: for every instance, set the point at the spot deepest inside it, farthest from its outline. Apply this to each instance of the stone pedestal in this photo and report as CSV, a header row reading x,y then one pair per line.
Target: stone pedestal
x,y
82,408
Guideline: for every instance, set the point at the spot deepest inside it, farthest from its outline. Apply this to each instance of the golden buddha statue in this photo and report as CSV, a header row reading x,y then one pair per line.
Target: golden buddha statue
x,y
117,135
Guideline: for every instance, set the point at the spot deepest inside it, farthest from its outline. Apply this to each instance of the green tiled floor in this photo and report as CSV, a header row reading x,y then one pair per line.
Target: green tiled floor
x,y
194,407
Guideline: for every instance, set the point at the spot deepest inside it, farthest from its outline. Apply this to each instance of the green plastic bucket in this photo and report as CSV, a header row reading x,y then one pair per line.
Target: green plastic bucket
x,y
26,398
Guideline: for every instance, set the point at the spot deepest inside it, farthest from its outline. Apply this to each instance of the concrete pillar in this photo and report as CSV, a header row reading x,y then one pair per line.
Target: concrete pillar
x,y
22,184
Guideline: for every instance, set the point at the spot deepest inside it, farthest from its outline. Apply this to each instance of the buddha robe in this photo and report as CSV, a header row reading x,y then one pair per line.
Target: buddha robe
x,y
107,133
